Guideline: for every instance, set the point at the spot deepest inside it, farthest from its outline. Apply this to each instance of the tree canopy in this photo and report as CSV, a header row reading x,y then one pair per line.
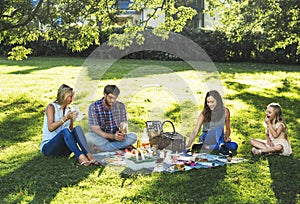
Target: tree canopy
x,y
265,25
269,24
77,24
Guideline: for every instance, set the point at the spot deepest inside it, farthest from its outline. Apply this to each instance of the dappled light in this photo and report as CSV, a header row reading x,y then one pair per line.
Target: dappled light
x,y
29,177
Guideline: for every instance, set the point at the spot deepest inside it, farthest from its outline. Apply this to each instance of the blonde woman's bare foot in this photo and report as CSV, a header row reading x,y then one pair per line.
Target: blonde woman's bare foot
x,y
83,160
93,161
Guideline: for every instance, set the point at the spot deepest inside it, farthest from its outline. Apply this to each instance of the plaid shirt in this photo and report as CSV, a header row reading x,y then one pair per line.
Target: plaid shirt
x,y
108,119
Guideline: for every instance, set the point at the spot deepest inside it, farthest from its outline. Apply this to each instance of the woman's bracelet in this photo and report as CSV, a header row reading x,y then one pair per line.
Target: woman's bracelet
x,y
62,120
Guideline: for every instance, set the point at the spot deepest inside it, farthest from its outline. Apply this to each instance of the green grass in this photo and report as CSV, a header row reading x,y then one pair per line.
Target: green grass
x,y
29,177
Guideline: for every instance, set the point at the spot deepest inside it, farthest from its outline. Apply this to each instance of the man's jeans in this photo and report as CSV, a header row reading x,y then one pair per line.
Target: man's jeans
x,y
100,144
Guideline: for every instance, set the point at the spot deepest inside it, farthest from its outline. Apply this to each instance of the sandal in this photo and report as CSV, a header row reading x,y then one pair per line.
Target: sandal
x,y
85,163
83,160
255,151
93,161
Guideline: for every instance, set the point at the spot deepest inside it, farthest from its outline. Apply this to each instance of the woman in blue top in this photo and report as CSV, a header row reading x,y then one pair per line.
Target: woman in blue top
x,y
59,136
213,118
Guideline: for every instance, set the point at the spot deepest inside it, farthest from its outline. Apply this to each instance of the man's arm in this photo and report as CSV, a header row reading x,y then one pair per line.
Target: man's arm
x,y
227,125
117,136
98,131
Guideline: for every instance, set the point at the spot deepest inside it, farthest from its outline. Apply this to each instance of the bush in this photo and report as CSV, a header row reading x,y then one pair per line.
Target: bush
x,y
214,43
19,53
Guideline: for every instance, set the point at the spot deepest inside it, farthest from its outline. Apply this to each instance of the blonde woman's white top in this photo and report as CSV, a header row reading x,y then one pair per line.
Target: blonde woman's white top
x,y
58,114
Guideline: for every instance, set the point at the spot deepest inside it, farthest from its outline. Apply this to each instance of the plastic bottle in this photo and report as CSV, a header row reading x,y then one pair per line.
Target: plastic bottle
x,y
145,138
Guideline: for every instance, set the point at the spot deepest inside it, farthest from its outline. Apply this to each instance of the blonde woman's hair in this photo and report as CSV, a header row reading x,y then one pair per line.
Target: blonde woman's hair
x,y
63,92
279,115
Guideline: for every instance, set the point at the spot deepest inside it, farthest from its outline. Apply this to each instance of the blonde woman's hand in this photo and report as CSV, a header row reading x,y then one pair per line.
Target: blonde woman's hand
x,y
72,115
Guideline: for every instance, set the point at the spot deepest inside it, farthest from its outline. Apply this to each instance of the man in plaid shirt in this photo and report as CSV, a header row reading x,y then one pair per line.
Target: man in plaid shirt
x,y
108,123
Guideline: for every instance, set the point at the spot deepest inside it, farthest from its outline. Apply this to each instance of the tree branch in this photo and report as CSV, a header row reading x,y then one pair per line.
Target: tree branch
x,y
145,22
9,26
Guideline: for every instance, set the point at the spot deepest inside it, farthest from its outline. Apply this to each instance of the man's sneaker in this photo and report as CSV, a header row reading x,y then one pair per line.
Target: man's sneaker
x,y
224,150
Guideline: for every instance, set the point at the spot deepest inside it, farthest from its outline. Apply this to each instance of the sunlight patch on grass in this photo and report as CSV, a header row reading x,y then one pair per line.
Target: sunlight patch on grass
x,y
28,176
15,155
22,196
276,81
44,85
257,181
151,96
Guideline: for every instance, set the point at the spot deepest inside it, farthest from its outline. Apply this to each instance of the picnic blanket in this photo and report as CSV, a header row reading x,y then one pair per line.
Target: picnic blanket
x,y
186,161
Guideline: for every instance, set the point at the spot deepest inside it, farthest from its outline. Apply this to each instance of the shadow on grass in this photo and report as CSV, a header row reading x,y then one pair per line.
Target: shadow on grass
x,y
42,63
259,104
23,120
128,66
130,69
249,122
252,68
286,177
40,179
284,170
194,186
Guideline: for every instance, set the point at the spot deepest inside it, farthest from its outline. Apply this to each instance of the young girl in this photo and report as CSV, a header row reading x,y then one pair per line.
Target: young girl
x,y
276,134
59,136
213,118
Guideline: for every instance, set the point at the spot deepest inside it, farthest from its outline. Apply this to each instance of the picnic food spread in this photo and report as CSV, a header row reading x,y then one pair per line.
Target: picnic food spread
x,y
163,160
139,159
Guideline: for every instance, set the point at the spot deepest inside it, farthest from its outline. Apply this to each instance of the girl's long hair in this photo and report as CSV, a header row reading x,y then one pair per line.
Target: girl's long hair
x,y
279,116
63,92
218,111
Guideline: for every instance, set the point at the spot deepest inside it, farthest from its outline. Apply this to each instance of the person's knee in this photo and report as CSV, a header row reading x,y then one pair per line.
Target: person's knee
x,y
232,146
78,130
251,141
67,134
132,137
235,146
278,148
93,148
66,131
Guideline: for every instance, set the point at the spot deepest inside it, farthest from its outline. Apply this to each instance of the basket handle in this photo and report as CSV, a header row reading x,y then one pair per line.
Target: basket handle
x,y
168,121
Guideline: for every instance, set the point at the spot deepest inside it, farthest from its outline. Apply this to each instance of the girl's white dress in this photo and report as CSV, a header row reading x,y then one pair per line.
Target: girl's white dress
x,y
280,140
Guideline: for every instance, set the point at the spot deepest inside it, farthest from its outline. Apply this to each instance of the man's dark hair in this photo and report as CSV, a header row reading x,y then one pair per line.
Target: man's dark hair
x,y
112,89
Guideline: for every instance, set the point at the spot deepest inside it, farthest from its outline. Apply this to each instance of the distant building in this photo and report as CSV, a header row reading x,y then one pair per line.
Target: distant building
x,y
201,20
127,14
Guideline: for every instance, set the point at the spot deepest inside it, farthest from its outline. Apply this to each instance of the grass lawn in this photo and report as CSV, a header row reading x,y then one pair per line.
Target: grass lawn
x,y
26,176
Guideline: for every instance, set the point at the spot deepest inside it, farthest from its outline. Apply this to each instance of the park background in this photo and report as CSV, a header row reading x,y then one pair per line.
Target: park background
x,y
255,50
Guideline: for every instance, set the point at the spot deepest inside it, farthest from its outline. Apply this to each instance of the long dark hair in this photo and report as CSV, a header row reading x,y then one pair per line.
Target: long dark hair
x,y
218,111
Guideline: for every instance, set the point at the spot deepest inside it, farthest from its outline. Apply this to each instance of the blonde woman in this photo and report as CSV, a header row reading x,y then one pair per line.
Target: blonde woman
x,y
276,134
59,136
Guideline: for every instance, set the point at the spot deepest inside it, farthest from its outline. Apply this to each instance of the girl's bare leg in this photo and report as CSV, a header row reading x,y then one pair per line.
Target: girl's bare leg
x,y
274,149
258,144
